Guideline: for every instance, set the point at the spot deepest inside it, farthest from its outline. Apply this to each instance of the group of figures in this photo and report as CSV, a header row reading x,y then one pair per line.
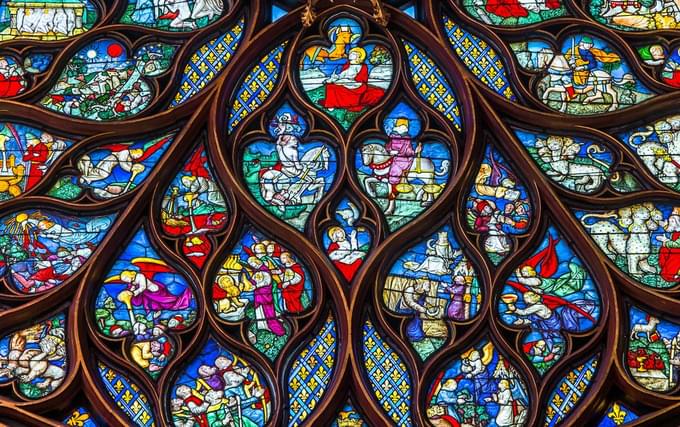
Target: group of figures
x,y
262,281
102,82
642,240
144,297
433,282
35,357
480,388
498,206
61,19
40,249
218,388
46,20
174,15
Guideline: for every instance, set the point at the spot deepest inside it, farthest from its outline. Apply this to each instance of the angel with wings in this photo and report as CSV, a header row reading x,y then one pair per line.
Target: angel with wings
x,y
143,290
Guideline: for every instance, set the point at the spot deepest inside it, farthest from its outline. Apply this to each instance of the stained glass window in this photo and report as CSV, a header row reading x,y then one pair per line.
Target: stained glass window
x,y
458,213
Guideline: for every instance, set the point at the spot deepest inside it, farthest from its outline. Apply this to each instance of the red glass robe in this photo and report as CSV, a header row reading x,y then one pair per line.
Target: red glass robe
x,y
364,96
669,261
36,155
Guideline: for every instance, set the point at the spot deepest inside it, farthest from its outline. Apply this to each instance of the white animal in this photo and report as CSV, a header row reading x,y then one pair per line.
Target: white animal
x,y
559,152
646,328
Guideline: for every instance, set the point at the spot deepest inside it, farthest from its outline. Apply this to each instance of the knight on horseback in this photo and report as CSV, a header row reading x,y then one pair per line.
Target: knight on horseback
x,y
284,183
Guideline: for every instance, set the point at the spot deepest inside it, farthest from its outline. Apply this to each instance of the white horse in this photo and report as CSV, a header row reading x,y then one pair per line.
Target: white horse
x,y
376,157
280,189
560,74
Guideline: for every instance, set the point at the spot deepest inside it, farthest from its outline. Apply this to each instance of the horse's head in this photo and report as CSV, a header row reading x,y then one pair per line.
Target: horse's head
x,y
373,154
544,57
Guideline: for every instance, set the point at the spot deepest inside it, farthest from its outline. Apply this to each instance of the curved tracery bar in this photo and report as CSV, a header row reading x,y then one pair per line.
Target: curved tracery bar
x,y
346,213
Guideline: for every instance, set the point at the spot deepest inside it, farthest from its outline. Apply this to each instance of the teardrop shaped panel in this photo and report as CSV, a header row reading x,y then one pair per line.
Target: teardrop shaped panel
x,y
498,206
145,298
347,77
432,85
577,164
112,170
35,357
311,373
231,390
652,353
208,62
602,82
550,294
640,239
193,207
568,393
41,249
434,284
346,243
388,376
256,87
479,57
657,145
401,173
127,395
174,16
480,387
104,82
286,175
262,282
26,155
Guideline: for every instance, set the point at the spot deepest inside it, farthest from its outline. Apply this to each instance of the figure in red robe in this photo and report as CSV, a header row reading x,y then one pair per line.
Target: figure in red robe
x,y
669,254
37,153
350,89
12,81
293,283
671,71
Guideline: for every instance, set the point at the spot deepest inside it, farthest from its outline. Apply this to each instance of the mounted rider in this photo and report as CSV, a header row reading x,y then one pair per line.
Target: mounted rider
x,y
583,59
400,148
287,130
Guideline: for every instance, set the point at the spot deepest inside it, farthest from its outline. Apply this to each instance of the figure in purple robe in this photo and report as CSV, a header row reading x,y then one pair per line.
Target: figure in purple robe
x,y
153,295
401,149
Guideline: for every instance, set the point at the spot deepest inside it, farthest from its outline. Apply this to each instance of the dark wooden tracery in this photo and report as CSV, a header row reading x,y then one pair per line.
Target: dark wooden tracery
x,y
486,120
